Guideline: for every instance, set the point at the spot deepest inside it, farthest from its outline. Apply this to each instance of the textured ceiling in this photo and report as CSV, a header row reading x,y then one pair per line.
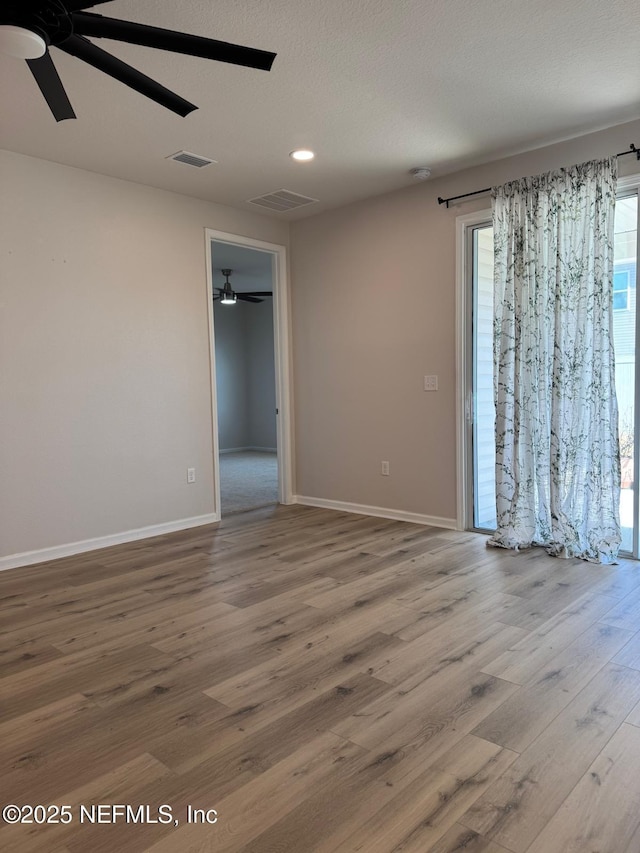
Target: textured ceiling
x,y
375,87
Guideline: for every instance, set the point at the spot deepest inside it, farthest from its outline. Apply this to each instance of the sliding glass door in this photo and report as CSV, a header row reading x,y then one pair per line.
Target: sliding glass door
x,y
624,335
481,404
480,412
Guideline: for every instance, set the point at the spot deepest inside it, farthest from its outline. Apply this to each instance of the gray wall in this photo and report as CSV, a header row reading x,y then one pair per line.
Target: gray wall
x,y
245,375
231,375
104,359
105,389
261,384
374,309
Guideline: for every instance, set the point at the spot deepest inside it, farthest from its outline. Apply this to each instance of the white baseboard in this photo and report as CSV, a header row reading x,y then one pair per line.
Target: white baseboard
x,y
28,558
249,447
378,512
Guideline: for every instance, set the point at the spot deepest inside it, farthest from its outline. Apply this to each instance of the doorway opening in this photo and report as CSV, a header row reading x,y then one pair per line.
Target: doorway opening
x,y
249,373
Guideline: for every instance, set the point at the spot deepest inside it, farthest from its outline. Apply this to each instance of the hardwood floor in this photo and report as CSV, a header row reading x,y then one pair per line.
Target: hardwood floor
x,y
324,682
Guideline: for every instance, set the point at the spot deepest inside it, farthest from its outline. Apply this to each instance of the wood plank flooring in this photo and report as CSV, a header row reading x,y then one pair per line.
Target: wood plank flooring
x,y
325,682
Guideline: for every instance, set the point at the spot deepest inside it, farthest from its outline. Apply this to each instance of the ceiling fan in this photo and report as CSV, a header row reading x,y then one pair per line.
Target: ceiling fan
x,y
228,296
28,28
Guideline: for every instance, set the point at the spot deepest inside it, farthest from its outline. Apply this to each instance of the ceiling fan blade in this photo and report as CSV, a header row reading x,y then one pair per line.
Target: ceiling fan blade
x,y
103,61
258,292
89,24
246,298
50,84
76,5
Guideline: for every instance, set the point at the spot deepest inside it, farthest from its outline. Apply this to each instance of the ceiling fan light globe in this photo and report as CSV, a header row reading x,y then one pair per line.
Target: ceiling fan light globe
x,y
21,43
228,299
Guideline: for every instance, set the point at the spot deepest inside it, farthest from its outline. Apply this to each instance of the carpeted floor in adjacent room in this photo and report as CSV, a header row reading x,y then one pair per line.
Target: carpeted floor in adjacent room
x,y
248,479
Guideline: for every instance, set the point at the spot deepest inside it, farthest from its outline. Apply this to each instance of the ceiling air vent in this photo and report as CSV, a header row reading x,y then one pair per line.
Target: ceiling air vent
x,y
282,200
190,159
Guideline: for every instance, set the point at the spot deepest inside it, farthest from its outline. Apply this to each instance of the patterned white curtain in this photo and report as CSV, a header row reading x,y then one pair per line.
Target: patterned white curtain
x,y
557,454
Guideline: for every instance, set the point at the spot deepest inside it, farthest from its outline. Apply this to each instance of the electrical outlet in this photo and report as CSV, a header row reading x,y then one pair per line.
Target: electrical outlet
x,y
430,383
384,469
191,475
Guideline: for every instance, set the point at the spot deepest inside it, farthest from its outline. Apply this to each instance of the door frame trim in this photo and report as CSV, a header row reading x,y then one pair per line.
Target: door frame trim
x,y
464,402
630,184
282,360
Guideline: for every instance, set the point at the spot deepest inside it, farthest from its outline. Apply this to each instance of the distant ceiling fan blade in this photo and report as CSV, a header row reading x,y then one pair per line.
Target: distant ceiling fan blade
x,y
259,292
246,298
47,78
88,24
103,61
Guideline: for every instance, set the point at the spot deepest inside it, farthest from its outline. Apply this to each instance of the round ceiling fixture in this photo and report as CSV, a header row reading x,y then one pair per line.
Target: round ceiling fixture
x,y
22,43
421,173
302,155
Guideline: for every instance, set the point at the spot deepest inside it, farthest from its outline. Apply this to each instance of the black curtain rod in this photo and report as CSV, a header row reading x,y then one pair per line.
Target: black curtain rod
x,y
632,150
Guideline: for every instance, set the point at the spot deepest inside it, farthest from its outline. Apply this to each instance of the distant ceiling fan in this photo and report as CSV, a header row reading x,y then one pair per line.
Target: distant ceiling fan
x,y
228,296
28,28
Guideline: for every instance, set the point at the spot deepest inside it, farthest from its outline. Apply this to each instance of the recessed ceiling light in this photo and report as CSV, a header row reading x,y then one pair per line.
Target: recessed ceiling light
x,y
302,154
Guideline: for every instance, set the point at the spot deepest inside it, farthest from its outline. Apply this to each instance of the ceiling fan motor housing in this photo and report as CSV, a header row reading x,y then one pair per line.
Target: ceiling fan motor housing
x,y
47,18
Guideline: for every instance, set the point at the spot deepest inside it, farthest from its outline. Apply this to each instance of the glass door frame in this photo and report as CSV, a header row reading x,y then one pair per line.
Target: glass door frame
x,y
630,186
466,225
